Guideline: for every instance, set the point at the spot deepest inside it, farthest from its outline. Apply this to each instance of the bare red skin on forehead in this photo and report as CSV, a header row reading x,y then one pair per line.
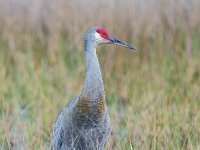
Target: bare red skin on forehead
x,y
103,33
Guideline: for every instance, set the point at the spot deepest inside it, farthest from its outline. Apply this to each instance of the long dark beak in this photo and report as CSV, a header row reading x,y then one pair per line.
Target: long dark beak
x,y
116,41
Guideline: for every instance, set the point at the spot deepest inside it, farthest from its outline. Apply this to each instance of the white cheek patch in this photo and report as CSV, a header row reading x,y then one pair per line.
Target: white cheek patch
x,y
98,37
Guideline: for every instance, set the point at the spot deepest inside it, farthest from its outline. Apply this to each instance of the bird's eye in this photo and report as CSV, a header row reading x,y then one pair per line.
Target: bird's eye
x,y
103,34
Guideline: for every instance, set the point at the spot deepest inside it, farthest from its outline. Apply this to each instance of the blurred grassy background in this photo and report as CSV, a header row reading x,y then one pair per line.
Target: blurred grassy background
x,y
153,94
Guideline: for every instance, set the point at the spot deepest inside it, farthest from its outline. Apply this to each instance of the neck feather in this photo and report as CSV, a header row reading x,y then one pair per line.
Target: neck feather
x,y
91,104
93,84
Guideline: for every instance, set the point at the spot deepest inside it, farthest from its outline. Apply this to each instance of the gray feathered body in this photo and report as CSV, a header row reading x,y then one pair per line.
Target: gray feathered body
x,y
70,134
84,123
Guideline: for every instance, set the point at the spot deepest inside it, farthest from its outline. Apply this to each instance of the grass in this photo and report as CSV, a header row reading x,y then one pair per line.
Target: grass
x,y
153,94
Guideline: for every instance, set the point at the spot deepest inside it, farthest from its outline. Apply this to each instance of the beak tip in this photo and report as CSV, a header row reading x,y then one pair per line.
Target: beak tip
x,y
133,48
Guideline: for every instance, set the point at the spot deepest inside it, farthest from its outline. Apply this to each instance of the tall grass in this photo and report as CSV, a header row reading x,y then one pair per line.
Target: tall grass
x,y
153,94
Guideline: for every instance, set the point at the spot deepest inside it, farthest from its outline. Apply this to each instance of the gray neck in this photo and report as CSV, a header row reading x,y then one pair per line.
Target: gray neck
x,y
93,85
91,107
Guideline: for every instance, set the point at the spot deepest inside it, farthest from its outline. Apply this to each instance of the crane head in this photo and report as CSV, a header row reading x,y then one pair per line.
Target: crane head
x,y
102,37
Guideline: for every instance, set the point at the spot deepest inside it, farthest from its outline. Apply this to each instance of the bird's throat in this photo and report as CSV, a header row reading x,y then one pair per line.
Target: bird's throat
x,y
93,84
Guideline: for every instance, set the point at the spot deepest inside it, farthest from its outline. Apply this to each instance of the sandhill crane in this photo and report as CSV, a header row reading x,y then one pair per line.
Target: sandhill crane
x,y
84,124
